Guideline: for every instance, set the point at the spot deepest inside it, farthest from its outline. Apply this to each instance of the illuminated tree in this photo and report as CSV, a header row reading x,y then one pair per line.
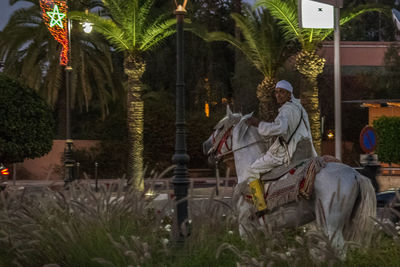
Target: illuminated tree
x,y
32,56
264,46
131,28
308,62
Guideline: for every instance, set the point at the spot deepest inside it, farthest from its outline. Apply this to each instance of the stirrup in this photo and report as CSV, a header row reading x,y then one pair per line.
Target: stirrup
x,y
257,192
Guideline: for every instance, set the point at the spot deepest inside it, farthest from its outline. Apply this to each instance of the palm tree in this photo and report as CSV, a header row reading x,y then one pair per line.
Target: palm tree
x,y
308,62
264,46
31,55
131,29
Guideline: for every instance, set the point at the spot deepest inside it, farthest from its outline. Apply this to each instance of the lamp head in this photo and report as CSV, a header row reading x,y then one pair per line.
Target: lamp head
x,y
87,27
180,7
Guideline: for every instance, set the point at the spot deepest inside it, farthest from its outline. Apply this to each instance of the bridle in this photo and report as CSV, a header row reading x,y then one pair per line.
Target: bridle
x,y
216,149
223,141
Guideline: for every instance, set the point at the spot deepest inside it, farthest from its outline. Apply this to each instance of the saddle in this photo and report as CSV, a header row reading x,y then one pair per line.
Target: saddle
x,y
300,156
286,183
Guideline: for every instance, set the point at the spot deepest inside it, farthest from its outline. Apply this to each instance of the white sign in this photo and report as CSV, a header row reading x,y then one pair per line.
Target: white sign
x,y
315,15
335,3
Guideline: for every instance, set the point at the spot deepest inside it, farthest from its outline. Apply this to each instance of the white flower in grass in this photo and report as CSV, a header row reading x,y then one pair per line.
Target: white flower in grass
x,y
168,228
190,221
230,232
165,241
398,227
288,253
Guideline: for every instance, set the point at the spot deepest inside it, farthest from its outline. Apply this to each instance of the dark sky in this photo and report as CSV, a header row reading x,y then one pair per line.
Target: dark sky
x,y
6,10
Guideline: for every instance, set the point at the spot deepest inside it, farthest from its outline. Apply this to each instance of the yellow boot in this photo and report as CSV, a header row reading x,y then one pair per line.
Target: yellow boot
x,y
257,192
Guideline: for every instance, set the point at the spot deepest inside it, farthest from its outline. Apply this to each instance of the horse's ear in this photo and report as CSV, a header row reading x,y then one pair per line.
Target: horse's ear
x,y
228,111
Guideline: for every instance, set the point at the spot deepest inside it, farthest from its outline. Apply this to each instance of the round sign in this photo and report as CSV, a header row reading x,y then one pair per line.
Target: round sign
x,y
368,139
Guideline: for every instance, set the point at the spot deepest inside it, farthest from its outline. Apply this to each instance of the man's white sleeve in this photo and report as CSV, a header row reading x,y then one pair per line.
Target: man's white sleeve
x,y
278,127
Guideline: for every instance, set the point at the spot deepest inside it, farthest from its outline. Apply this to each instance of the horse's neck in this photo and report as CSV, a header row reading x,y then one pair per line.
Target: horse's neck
x,y
247,149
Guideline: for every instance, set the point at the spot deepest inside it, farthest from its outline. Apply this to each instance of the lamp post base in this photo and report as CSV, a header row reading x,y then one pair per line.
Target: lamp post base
x,y
68,162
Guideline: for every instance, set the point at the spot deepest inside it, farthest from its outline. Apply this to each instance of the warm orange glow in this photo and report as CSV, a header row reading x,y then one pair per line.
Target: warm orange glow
x,y
330,134
5,172
371,105
207,110
393,104
224,100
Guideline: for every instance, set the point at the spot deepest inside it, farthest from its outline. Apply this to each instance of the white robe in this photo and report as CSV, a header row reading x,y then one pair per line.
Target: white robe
x,y
284,125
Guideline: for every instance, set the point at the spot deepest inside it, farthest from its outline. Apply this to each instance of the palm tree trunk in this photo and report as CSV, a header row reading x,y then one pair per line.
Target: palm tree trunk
x,y
134,67
268,107
311,65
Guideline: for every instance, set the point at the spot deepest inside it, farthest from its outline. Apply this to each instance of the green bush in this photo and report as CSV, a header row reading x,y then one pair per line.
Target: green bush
x,y
26,123
388,129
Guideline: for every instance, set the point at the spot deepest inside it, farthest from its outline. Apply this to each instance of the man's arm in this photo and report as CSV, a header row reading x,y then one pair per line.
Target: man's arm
x,y
278,127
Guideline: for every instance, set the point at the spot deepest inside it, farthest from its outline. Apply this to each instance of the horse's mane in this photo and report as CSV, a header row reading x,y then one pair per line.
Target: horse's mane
x,y
242,126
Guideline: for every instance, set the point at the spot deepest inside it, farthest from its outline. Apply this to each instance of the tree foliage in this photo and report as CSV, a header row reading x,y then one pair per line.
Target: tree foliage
x,y
31,55
26,123
388,129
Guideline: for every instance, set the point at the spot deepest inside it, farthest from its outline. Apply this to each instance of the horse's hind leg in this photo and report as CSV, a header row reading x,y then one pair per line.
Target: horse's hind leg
x,y
336,191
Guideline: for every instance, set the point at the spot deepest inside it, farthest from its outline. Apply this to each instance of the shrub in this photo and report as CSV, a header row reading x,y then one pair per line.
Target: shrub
x,y
388,148
26,123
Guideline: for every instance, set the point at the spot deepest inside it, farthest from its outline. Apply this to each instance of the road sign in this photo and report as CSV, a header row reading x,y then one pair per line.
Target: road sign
x,y
368,139
315,15
335,3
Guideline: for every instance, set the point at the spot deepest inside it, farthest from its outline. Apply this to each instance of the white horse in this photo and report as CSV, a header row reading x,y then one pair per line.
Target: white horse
x,y
342,202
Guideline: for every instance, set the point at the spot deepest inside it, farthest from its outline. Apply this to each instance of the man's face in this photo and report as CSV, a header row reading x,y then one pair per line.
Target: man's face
x,y
282,95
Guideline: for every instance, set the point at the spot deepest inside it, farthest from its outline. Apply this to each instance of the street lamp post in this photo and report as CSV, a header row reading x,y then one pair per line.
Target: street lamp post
x,y
180,158
69,161
338,86
68,157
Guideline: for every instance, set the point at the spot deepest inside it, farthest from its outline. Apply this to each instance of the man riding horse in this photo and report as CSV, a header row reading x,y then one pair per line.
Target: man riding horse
x,y
291,126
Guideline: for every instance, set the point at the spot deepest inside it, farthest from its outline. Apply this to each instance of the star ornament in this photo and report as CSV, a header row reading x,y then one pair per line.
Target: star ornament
x,y
56,17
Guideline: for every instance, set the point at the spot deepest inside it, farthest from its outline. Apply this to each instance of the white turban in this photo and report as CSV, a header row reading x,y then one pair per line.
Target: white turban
x,y
284,85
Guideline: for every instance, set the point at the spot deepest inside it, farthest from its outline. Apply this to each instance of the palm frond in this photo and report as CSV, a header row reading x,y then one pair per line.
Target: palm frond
x,y
263,43
144,12
155,33
106,27
286,13
117,9
349,14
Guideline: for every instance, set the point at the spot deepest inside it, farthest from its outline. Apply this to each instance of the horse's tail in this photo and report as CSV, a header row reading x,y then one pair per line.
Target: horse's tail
x,y
361,224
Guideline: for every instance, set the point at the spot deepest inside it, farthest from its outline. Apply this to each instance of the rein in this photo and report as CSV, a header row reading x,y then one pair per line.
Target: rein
x,y
224,140
220,156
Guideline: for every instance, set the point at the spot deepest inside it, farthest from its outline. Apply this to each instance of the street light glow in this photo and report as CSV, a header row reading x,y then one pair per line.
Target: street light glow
x,y
87,27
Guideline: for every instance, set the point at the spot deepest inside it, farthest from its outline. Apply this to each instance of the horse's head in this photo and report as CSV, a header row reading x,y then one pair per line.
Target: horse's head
x,y
220,141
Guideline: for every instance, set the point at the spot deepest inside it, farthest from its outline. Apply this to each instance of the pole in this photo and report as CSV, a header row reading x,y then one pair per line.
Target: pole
x,y
95,176
180,158
338,112
68,159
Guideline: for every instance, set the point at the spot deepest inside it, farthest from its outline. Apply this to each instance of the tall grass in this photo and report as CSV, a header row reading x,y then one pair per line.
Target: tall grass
x,y
120,227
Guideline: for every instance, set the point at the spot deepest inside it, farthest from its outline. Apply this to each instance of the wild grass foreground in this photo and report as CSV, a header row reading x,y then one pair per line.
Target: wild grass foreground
x,y
81,227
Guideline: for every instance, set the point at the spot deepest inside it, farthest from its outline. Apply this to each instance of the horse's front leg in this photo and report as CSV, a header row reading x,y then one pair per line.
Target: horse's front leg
x,y
246,213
